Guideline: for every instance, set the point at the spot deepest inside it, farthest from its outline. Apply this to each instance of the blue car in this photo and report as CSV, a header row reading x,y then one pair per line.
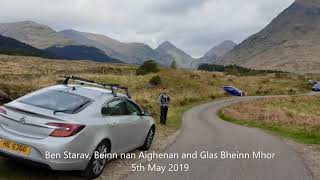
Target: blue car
x,y
316,87
234,91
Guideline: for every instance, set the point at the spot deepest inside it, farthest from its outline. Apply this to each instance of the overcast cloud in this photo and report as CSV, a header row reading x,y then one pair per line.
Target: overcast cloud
x,y
195,26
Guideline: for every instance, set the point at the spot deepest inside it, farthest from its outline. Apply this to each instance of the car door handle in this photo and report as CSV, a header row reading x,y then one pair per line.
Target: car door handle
x,y
114,124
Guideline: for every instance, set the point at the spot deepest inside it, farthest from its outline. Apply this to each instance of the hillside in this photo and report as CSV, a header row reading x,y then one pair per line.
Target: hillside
x,y
215,53
291,42
34,34
82,53
11,46
132,53
218,51
169,52
52,42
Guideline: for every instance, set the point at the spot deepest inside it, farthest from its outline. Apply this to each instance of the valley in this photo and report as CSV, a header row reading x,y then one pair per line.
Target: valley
x,y
22,74
75,45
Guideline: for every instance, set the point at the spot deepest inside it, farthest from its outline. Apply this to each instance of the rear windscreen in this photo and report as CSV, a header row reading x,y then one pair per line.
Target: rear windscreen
x,y
56,100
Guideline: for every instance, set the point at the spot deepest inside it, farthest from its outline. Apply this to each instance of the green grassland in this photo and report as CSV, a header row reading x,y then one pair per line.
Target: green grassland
x,y
295,117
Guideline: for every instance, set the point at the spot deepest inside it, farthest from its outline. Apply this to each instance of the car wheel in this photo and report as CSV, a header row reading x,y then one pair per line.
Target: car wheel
x,y
96,166
148,142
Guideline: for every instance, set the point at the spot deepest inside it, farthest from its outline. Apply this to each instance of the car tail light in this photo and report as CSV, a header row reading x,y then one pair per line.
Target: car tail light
x,y
65,130
2,111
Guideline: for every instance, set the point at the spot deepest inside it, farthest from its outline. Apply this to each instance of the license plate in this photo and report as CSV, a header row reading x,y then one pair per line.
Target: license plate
x,y
15,147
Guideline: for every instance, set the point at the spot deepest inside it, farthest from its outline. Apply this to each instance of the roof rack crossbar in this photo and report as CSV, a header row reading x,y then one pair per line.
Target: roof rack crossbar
x,y
82,81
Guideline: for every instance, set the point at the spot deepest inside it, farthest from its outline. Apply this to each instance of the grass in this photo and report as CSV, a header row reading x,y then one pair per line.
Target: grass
x,y
295,117
21,75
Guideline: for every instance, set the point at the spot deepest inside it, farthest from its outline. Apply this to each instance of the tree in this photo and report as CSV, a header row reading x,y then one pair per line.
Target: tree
x,y
147,67
174,64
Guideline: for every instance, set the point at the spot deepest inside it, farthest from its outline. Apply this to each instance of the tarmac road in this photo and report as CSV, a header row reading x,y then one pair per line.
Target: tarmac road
x,y
204,131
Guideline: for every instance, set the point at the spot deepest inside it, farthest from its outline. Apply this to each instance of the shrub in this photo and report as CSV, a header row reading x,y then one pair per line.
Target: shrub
x,y
174,64
264,91
212,97
155,80
147,67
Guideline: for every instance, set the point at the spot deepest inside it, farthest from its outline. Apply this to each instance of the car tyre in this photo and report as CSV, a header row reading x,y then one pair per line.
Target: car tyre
x,y
148,142
96,166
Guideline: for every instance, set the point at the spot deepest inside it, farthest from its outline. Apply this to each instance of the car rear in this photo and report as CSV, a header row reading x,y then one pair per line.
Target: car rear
x,y
316,87
32,130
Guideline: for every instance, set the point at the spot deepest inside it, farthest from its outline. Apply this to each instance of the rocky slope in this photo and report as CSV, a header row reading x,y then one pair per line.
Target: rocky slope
x,y
291,42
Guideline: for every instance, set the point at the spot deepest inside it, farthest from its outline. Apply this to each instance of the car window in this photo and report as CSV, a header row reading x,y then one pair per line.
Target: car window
x,y
56,100
117,108
133,109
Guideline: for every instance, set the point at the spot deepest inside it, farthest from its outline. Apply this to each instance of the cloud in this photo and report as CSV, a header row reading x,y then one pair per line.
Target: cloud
x,y
178,7
192,25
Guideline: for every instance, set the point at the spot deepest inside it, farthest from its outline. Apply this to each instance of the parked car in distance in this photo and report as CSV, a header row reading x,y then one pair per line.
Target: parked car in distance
x,y
316,87
78,119
234,91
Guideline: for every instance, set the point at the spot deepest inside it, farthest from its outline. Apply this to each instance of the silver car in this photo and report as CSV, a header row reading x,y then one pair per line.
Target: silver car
x,y
63,126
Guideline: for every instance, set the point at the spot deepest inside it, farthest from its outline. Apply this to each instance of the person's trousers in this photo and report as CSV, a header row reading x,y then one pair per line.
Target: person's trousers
x,y
163,114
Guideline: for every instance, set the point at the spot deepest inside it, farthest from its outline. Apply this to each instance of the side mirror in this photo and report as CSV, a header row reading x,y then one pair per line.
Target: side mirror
x,y
147,112
106,111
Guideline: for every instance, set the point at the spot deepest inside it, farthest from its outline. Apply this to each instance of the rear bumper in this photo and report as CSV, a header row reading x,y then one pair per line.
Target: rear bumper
x,y
53,165
40,148
25,161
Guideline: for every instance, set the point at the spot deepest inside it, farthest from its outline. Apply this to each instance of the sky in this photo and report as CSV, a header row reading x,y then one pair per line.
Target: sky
x,y
194,26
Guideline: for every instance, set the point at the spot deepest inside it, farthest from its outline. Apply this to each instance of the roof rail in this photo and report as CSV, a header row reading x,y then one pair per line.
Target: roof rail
x,y
82,81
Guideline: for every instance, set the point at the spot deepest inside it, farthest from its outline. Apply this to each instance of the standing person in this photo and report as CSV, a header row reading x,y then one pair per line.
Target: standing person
x,y
164,100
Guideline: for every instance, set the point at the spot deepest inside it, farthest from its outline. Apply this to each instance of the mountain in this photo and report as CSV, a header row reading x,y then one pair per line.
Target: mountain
x,y
291,42
218,51
133,53
169,52
215,53
11,46
52,42
34,34
90,46
77,52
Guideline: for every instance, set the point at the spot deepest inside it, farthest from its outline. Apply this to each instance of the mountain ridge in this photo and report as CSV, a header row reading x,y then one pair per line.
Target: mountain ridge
x,y
37,35
218,51
78,52
134,52
214,53
289,43
171,53
10,46
43,37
